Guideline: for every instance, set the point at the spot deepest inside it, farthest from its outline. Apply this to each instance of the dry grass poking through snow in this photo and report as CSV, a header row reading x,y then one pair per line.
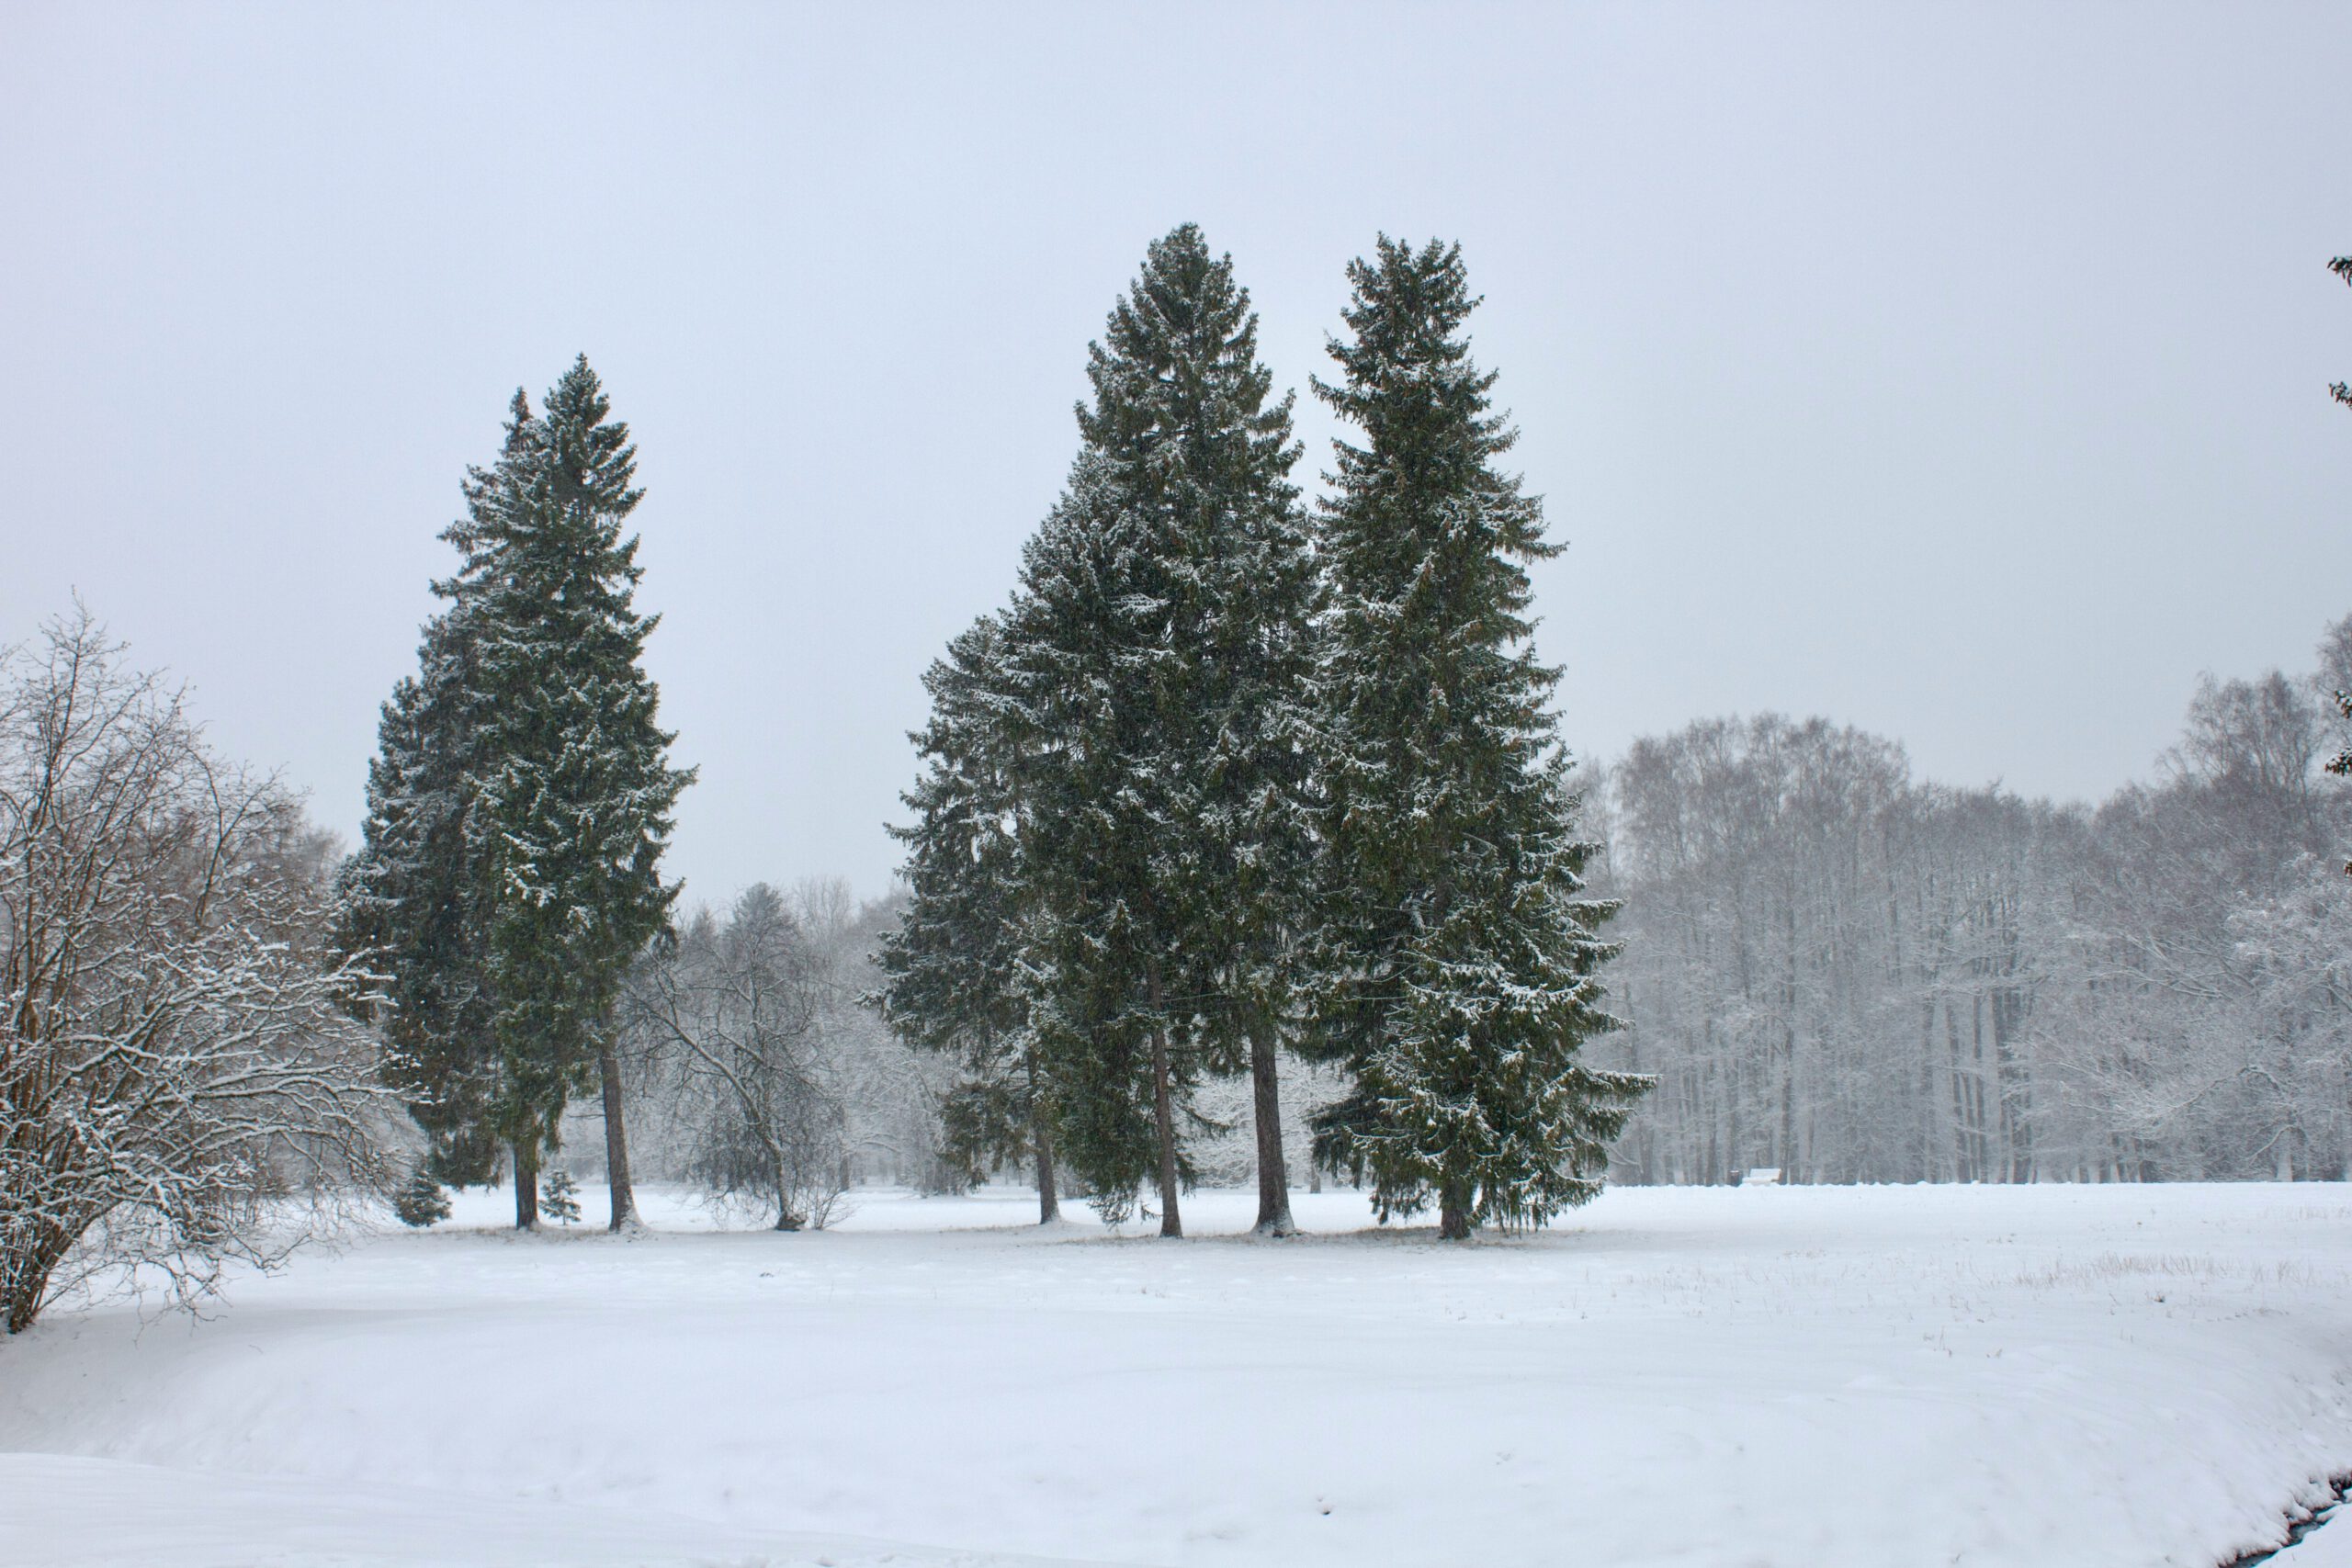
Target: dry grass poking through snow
x,y
2284,1272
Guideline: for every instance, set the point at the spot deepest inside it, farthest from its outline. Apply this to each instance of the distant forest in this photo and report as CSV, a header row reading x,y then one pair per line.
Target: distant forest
x,y
1851,974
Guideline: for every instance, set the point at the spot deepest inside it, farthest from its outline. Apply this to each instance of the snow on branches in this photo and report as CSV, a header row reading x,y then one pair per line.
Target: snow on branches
x,y
177,1045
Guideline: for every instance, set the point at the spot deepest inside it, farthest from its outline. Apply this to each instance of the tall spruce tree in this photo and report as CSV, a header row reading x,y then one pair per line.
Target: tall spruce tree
x,y
575,788
1156,654
1078,662
413,896
950,970
1457,965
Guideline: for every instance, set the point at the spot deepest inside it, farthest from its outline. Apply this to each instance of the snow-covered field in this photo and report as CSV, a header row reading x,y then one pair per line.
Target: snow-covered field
x,y
1832,1377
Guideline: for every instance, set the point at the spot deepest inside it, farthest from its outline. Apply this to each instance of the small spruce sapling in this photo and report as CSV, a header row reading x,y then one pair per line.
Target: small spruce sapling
x,y
422,1201
560,1197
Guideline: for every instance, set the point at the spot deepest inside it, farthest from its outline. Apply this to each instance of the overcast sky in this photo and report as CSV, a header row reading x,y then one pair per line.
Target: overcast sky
x,y
1959,372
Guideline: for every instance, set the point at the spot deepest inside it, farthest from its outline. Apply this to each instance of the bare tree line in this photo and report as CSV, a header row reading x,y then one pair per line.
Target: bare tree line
x,y
1850,974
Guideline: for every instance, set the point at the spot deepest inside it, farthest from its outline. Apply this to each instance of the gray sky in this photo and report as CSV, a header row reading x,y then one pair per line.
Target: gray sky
x,y
1955,371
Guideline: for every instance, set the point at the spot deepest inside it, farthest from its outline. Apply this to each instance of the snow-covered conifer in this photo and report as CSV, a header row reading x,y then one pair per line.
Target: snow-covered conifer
x,y
1159,649
413,896
575,788
1079,667
560,1197
422,1203
951,967
1457,963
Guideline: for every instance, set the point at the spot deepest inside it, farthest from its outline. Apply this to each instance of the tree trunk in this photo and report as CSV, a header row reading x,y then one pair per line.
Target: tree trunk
x,y
1453,1209
526,1186
1787,1152
1163,1113
787,1217
1041,1138
2017,1087
1274,1171
1049,1203
609,1067
25,1276
1730,1164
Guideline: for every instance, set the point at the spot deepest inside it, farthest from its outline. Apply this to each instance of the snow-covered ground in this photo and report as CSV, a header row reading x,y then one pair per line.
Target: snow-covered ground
x,y
2059,1377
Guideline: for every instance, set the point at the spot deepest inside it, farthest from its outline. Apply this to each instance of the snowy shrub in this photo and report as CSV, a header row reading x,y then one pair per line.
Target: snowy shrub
x,y
178,1049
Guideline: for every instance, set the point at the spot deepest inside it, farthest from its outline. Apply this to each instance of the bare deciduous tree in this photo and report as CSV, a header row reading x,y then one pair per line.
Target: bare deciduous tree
x,y
733,1010
176,1044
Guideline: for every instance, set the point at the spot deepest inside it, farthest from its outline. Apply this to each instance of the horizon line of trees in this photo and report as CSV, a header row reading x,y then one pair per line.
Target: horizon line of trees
x,y
1848,975
1231,782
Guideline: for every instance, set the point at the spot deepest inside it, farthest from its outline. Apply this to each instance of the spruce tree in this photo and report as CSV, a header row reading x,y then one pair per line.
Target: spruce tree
x,y
1156,654
951,969
414,898
575,788
1457,964
422,1203
1077,657
560,1197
